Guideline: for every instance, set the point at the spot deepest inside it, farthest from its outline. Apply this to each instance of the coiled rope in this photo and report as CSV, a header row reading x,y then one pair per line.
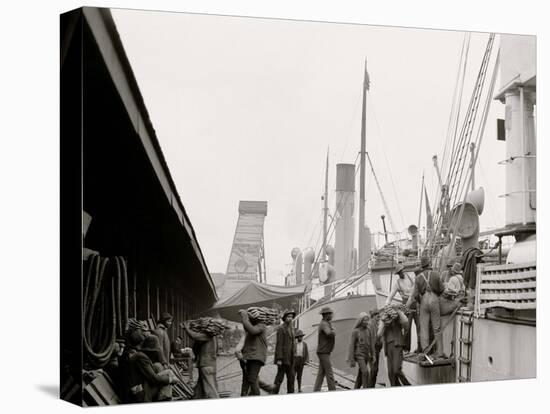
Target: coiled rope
x,y
105,307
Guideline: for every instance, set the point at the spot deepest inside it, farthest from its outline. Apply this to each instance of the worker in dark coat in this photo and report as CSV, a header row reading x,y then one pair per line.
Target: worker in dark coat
x,y
325,345
301,357
428,287
164,323
394,341
284,353
142,382
254,352
361,348
206,354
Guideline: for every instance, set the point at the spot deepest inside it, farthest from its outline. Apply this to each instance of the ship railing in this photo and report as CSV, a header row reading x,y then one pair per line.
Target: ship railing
x,y
508,286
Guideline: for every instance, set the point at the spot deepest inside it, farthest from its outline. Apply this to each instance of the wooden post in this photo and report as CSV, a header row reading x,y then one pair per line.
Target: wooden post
x,y
148,299
158,303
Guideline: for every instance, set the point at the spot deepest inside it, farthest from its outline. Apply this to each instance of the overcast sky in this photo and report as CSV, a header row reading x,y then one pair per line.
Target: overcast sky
x,y
245,109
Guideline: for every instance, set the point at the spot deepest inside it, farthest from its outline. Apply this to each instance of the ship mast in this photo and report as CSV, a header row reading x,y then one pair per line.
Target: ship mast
x,y
362,233
325,214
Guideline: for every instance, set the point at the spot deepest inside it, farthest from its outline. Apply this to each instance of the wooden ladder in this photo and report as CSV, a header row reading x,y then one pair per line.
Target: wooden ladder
x,y
465,340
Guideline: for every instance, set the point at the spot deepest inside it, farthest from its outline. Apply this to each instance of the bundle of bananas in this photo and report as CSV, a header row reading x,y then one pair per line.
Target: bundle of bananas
x,y
389,313
268,316
207,325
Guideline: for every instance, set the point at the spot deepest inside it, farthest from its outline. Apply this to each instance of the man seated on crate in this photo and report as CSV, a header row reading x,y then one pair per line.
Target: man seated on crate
x,y
206,350
141,381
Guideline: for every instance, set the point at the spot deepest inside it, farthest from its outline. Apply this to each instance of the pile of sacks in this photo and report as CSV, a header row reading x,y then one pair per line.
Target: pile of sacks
x,y
265,315
207,325
389,313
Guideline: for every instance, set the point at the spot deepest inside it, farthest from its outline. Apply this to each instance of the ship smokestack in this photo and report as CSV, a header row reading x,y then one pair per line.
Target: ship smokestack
x,y
345,192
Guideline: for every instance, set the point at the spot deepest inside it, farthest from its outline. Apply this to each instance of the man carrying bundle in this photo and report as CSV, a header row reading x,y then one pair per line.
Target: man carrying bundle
x,y
254,352
284,353
390,327
325,346
140,381
205,349
404,285
361,349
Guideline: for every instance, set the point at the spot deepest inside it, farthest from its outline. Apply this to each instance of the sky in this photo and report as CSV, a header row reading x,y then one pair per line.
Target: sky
x,y
246,109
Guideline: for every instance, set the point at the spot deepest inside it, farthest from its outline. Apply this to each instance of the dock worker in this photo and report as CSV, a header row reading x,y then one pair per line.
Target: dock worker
x,y
361,348
373,328
428,287
206,350
284,353
254,352
164,323
325,345
404,285
244,386
301,357
454,293
394,340
141,382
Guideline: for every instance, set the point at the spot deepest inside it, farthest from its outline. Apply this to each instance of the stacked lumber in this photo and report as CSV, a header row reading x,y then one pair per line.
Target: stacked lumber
x,y
208,325
268,316
389,313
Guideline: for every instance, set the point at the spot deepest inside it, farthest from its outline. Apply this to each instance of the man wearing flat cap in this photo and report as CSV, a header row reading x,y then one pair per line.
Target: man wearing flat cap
x,y
161,332
284,353
325,346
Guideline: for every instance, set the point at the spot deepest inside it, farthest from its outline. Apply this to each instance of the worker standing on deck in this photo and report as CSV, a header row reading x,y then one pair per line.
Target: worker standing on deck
x,y
428,286
394,341
454,293
164,323
404,285
361,348
254,352
284,353
325,346
301,357
206,349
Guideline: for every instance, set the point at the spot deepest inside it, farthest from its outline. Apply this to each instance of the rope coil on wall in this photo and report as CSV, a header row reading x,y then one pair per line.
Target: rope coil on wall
x,y
105,307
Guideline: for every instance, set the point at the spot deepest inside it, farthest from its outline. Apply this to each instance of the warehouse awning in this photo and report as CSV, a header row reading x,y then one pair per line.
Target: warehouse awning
x,y
258,294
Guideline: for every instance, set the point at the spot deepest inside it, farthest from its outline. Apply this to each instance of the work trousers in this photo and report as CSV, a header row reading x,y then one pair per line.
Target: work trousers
x,y
282,370
207,384
413,315
298,370
364,373
448,306
325,370
251,374
394,358
429,312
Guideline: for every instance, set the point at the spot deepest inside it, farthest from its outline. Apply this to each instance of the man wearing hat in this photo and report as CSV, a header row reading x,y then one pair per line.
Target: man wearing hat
x,y
325,345
428,287
140,380
206,354
404,285
284,353
454,292
301,357
161,332
361,349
